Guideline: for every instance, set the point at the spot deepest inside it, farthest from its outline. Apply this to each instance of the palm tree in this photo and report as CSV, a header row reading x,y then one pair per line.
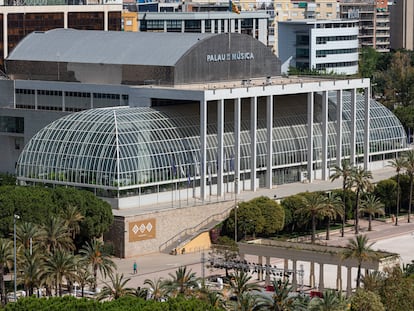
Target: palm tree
x,y
281,299
372,206
248,302
72,218
56,235
28,235
182,283
155,288
94,255
398,164
333,208
360,180
360,250
373,281
116,288
313,207
83,277
240,285
331,301
345,172
60,266
32,265
409,167
6,260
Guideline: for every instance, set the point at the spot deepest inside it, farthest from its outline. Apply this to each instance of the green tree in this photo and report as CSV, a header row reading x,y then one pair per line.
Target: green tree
x,y
273,213
240,285
406,117
386,191
399,165
55,235
72,218
313,207
155,288
409,167
83,277
6,261
183,282
361,251
371,205
93,254
282,298
116,288
250,219
345,172
333,208
60,266
364,300
225,249
360,180
331,301
373,281
32,267
368,59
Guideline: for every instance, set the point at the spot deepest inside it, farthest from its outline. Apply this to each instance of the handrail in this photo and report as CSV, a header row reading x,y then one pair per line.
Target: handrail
x,y
218,216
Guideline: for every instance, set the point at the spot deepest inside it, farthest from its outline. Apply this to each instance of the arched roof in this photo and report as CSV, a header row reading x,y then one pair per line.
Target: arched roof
x,y
127,148
105,47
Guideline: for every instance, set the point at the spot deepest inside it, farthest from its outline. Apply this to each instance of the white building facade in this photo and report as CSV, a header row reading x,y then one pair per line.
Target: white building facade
x,y
329,46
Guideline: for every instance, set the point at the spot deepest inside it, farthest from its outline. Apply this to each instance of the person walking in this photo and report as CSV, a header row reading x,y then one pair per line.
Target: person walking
x,y
135,267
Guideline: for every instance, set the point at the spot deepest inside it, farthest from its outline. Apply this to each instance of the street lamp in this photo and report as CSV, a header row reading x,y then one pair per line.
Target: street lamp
x,y
15,264
236,180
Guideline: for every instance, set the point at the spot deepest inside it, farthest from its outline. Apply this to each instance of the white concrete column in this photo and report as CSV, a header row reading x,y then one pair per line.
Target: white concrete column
x,y
367,105
237,121
254,28
294,276
339,278
339,104
310,135
5,36
321,278
203,26
348,281
165,26
220,146
63,101
35,98
253,142
219,26
352,139
91,100
226,25
65,19
285,268
269,143
312,275
213,24
203,148
325,135
267,277
106,13
239,28
182,26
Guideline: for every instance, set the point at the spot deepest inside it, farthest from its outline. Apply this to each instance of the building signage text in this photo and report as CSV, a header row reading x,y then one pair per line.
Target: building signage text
x,y
229,56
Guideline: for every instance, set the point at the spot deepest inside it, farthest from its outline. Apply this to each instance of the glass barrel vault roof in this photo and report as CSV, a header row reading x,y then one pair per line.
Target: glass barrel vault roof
x,y
126,148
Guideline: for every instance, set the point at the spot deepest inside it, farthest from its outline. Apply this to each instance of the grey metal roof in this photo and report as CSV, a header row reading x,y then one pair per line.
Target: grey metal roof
x,y
106,47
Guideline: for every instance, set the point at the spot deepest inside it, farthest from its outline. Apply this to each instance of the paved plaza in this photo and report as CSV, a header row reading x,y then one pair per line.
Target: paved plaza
x,y
386,235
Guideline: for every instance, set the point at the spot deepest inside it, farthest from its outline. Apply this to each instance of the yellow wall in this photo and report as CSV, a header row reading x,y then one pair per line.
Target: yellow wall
x,y
199,243
130,21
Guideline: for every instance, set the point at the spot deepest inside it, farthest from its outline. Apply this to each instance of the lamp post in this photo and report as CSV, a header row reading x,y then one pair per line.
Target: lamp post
x,y
236,180
15,261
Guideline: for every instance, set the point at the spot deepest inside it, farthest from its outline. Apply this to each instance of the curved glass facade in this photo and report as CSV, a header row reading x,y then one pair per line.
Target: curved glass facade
x,y
121,151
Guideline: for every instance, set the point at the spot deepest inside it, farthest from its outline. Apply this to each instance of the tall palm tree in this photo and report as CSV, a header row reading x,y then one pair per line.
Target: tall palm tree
x,y
28,234
333,208
313,207
398,164
60,266
345,172
83,277
155,288
56,235
32,265
361,251
409,167
6,260
240,285
116,288
371,205
360,180
183,282
72,218
94,255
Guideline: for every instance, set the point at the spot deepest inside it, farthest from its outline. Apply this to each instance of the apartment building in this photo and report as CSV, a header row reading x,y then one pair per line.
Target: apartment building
x,y
402,24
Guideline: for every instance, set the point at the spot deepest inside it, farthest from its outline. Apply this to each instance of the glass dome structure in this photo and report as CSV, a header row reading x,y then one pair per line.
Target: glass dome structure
x,y
121,151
